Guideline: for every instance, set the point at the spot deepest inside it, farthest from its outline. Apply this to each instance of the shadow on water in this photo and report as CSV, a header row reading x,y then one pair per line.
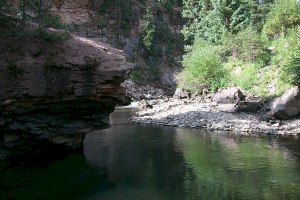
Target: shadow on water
x,y
134,161
70,178
141,159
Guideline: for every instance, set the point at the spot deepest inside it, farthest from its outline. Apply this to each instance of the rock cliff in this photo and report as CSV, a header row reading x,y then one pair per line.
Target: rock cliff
x,y
72,11
53,93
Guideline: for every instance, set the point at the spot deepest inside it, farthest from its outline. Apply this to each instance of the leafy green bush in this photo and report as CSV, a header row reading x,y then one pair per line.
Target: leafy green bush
x,y
105,6
148,31
283,47
213,19
270,82
284,15
100,23
247,46
53,37
291,70
3,4
137,75
202,68
52,21
243,74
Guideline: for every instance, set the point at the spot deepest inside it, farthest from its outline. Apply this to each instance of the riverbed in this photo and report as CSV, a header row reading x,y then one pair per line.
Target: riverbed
x,y
145,161
212,116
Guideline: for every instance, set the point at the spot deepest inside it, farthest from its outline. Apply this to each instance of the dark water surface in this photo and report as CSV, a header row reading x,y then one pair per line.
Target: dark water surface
x,y
144,162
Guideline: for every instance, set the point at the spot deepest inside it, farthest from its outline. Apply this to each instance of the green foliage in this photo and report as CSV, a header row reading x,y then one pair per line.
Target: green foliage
x,y
124,9
32,5
3,4
52,21
192,13
213,19
243,29
291,70
137,75
243,74
156,40
24,33
54,37
105,6
148,31
283,47
247,46
270,76
153,70
100,22
284,15
202,69
168,4
228,168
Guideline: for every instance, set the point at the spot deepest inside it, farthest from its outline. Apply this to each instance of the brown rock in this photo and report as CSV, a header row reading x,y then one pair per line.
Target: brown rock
x,y
51,92
230,95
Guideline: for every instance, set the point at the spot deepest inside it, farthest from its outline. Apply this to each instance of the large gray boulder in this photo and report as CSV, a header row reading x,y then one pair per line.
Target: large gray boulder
x,y
288,105
227,96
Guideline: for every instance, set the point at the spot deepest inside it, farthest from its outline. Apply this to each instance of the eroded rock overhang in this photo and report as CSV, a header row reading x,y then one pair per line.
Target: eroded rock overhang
x,y
53,93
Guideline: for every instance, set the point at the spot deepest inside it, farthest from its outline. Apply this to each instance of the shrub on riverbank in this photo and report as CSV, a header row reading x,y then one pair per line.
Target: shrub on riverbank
x,y
259,53
202,68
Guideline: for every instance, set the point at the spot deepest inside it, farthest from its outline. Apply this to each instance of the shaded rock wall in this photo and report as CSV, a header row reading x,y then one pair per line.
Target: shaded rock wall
x,y
123,29
54,93
73,11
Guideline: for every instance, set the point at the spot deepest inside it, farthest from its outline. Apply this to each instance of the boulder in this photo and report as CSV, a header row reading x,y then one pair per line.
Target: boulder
x,y
288,105
52,92
182,94
227,96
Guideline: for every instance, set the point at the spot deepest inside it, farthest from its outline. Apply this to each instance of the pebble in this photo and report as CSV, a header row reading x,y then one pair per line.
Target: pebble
x,y
208,116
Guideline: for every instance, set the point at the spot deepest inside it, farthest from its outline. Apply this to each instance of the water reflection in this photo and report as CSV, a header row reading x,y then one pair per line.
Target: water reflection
x,y
141,159
235,167
131,162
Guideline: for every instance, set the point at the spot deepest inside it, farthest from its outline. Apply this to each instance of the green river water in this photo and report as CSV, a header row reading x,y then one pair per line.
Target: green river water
x,y
147,162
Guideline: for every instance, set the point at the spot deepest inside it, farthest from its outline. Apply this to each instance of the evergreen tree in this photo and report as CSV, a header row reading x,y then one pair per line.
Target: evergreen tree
x,y
212,19
284,15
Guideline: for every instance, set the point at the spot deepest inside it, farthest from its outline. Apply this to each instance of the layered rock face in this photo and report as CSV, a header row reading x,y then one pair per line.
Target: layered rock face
x,y
52,94
73,11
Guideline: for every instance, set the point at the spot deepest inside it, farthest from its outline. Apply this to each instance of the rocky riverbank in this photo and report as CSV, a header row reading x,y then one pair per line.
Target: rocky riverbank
x,y
213,116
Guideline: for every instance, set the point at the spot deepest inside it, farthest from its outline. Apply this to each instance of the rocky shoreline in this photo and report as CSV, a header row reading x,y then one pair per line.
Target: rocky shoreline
x,y
213,116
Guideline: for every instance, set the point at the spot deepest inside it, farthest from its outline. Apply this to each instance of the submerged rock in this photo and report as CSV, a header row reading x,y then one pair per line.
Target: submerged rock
x,y
53,93
288,105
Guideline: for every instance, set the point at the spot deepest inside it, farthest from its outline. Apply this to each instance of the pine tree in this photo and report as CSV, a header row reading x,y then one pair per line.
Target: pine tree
x,y
212,19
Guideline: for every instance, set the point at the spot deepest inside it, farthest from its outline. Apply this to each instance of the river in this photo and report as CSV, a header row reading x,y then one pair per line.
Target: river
x,y
148,162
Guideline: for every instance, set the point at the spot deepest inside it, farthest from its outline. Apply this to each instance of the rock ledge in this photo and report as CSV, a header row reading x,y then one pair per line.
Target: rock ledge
x,y
53,93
